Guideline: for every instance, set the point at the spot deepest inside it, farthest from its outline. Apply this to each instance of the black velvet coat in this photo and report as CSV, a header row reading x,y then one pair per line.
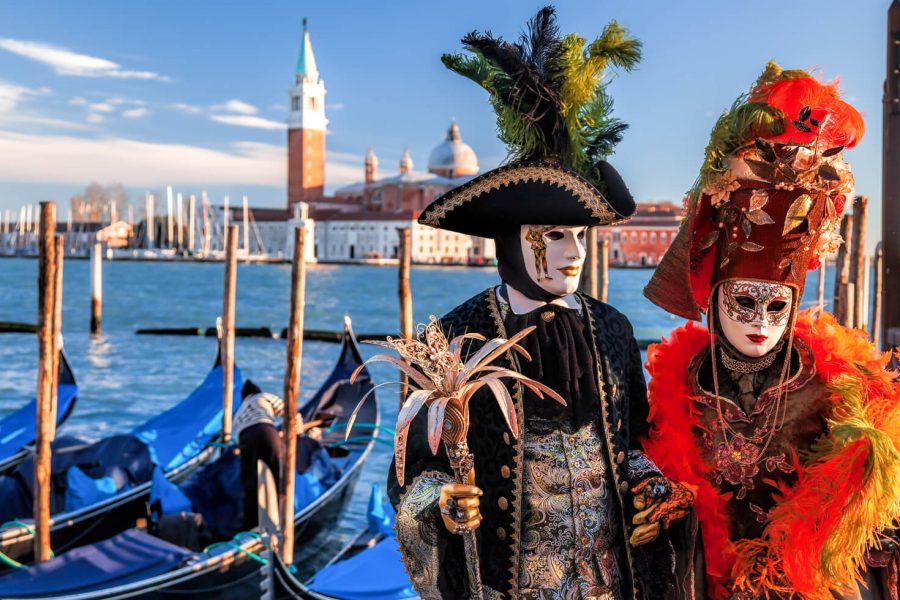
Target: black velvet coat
x,y
499,457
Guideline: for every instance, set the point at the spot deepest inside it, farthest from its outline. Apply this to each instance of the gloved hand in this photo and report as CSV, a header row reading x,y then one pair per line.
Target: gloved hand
x,y
459,507
659,502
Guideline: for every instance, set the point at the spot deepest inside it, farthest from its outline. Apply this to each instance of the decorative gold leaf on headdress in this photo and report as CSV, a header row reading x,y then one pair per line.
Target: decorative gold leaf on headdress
x,y
797,213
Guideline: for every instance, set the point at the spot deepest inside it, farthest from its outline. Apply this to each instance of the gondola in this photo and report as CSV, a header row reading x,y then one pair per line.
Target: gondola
x,y
101,488
368,568
17,429
138,563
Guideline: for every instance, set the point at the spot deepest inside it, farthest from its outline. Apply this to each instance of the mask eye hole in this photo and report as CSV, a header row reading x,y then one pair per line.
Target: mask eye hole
x,y
582,234
745,302
554,235
777,306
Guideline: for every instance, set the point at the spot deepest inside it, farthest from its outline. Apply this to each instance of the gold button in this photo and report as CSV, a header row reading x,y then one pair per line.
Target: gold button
x,y
620,458
502,503
548,315
501,533
623,487
506,438
504,472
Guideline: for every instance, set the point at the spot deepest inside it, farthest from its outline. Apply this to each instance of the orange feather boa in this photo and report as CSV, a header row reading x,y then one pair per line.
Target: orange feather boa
x,y
819,529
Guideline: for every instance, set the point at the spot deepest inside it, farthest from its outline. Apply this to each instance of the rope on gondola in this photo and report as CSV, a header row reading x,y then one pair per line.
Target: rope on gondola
x,y
24,526
233,543
11,562
387,430
361,438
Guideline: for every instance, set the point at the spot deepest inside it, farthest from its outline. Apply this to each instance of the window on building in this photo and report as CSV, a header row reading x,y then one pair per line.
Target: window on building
x,y
663,237
615,236
295,103
653,238
313,102
643,237
634,236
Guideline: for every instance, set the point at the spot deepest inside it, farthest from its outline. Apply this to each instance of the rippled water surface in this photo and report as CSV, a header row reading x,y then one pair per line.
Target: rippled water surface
x,y
124,378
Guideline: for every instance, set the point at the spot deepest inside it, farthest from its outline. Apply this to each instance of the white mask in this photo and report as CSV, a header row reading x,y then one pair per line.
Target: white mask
x,y
554,256
753,314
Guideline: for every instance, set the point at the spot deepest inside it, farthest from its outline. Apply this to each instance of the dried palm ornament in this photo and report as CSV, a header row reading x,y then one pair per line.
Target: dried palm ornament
x,y
442,380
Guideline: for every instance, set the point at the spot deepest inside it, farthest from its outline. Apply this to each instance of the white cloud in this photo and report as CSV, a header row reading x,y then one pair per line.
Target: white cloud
x,y
248,121
116,104
11,95
135,113
237,106
188,108
66,62
123,101
335,106
17,121
72,160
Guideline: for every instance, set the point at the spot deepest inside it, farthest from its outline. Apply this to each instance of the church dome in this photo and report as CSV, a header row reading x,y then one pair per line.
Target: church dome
x,y
453,158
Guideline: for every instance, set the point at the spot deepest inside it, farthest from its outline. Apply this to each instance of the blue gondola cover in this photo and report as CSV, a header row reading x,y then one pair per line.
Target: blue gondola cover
x,y
130,556
182,432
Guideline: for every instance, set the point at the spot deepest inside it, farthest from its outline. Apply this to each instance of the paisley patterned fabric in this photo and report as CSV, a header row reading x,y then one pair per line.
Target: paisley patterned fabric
x,y
571,539
417,524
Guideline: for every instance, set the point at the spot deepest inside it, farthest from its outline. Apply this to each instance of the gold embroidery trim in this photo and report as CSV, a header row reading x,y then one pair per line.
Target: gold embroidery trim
x,y
519,451
583,191
604,399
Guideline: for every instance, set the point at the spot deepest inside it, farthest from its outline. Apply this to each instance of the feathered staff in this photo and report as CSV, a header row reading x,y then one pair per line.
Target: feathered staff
x,y
444,382
549,92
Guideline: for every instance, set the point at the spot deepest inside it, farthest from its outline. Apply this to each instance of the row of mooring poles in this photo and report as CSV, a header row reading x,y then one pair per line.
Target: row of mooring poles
x,y
853,294
595,273
49,319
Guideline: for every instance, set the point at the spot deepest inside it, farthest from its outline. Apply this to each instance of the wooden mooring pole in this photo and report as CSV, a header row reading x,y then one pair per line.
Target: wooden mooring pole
x,y
866,282
404,294
879,294
228,302
842,274
603,249
820,298
96,286
858,259
292,390
589,272
46,379
57,327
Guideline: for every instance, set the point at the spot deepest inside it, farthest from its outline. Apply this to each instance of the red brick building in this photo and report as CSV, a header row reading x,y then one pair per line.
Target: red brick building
x,y
642,241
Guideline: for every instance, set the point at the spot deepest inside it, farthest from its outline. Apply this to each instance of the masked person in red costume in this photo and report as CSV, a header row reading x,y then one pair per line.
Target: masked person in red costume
x,y
553,501
784,424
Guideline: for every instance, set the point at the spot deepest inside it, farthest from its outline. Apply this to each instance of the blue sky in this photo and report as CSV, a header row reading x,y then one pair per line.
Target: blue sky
x,y
195,93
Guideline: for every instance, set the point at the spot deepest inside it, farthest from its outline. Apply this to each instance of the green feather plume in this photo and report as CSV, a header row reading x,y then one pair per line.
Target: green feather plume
x,y
549,92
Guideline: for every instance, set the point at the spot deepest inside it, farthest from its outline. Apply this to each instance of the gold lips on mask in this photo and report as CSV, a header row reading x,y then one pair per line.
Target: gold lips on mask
x,y
572,271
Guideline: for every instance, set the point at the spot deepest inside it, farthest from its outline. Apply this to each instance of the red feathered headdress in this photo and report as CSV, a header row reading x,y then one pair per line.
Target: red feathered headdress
x,y
770,194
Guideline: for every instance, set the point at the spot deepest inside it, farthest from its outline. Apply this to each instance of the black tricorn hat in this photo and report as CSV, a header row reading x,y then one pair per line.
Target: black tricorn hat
x,y
530,193
555,117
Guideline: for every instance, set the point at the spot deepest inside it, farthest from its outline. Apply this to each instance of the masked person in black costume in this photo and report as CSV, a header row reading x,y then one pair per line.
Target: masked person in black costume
x,y
559,511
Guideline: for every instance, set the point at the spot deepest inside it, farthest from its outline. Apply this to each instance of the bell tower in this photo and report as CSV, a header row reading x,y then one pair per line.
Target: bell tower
x,y
306,129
